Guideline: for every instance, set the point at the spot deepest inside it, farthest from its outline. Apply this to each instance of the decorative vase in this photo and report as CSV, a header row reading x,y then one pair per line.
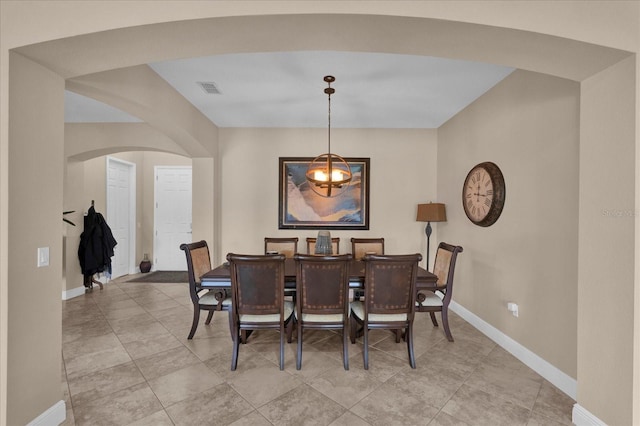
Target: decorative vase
x,y
323,243
145,265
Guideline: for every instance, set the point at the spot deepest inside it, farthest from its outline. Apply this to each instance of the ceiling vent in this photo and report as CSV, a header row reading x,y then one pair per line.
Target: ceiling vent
x,y
209,87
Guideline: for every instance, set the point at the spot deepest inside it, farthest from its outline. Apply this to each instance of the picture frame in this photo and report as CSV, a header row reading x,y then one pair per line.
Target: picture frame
x,y
301,208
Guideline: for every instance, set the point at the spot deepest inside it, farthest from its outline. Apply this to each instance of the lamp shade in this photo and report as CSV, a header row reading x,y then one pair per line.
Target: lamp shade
x,y
432,212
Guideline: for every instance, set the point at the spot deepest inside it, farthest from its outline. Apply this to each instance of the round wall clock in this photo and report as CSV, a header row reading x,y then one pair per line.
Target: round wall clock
x,y
483,194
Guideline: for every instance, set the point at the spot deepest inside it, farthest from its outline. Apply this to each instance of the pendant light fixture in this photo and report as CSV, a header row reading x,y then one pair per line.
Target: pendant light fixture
x,y
329,174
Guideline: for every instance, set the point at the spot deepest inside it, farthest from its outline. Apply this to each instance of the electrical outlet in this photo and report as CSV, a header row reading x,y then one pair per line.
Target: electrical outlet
x,y
513,308
43,256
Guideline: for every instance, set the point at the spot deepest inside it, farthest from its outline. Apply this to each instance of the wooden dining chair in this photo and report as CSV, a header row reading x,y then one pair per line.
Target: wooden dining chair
x,y
283,245
257,293
322,302
389,299
362,246
198,263
438,301
311,245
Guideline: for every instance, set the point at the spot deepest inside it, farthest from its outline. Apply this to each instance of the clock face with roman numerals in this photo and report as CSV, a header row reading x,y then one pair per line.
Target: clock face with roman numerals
x,y
483,194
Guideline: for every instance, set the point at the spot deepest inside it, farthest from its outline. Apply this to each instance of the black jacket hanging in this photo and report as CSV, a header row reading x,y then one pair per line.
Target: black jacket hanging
x,y
96,245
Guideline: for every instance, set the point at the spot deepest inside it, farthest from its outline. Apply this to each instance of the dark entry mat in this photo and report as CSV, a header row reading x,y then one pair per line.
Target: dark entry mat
x,y
161,277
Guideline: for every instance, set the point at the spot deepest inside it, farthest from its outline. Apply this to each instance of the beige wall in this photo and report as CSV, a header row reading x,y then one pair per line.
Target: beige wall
x,y
529,126
205,205
403,179
142,93
34,337
83,141
607,217
73,198
400,179
85,147
553,46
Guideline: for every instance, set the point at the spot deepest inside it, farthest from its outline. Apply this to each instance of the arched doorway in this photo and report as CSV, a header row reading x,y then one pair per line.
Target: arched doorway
x,y
439,41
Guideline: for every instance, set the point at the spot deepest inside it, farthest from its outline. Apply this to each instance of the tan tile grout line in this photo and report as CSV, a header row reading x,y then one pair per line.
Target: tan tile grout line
x,y
146,381
199,360
102,309
164,408
128,353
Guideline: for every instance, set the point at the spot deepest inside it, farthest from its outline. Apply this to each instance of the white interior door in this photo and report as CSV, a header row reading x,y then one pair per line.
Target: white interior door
x,y
121,214
172,217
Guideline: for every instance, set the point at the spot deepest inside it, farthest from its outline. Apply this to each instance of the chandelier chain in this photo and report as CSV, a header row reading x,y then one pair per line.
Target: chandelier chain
x,y
329,91
329,175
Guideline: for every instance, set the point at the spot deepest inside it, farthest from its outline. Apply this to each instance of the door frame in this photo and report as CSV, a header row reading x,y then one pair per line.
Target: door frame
x,y
155,203
132,206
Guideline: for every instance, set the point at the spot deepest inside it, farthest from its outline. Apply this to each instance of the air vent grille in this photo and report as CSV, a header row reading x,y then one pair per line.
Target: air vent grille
x,y
209,87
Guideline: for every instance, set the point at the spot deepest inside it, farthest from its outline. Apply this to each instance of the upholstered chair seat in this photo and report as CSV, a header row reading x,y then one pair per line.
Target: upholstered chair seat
x,y
321,317
288,310
430,298
357,309
211,298
438,300
322,297
389,300
257,294
203,299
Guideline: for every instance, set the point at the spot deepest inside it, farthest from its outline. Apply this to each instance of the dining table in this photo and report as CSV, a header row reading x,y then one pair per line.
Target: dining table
x,y
220,276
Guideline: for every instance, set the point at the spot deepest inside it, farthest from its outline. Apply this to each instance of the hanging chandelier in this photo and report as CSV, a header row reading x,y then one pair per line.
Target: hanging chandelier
x,y
329,174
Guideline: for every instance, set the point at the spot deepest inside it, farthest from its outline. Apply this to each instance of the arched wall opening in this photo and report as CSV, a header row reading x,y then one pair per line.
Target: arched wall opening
x,y
85,182
87,54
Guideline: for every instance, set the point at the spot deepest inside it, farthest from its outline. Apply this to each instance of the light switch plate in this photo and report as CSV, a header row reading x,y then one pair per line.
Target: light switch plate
x,y
43,256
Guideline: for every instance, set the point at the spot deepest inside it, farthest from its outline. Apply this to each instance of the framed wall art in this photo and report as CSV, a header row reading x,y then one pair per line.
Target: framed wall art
x,y
301,208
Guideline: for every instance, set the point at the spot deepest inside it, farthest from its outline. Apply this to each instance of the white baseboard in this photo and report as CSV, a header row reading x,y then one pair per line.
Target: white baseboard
x,y
581,417
74,292
558,378
54,416
79,291
568,385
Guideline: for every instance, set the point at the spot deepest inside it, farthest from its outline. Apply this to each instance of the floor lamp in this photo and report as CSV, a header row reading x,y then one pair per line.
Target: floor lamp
x,y
432,212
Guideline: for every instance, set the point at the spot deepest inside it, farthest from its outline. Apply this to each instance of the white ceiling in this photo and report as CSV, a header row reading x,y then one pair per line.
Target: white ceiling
x,y
286,89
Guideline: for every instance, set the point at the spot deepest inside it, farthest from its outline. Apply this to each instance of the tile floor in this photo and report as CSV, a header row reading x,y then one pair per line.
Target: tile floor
x,y
127,361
